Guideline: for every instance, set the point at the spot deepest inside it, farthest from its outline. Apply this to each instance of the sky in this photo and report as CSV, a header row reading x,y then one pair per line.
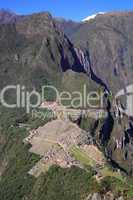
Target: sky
x,y
69,9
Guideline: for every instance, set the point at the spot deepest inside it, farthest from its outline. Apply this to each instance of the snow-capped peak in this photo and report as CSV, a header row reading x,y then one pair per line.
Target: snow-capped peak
x,y
92,16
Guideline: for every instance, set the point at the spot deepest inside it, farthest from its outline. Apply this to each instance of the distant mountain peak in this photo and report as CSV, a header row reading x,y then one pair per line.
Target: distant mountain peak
x,y
7,16
92,16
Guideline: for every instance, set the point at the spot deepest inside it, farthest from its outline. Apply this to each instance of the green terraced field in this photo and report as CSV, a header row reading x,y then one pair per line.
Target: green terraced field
x,y
81,156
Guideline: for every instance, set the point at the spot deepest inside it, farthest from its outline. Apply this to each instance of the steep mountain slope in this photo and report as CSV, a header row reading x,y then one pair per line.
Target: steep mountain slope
x,y
108,41
68,26
64,184
7,17
37,52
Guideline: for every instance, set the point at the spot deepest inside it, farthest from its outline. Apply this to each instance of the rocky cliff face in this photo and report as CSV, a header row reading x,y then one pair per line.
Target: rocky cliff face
x,y
115,136
38,52
7,17
34,51
105,42
106,46
108,40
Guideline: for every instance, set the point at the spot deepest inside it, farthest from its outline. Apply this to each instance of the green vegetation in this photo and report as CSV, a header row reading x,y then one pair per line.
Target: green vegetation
x,y
36,59
15,182
87,124
119,187
57,183
82,156
106,172
84,159
64,184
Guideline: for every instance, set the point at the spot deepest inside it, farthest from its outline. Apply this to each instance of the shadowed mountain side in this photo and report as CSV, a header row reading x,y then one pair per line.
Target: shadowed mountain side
x,y
36,53
108,39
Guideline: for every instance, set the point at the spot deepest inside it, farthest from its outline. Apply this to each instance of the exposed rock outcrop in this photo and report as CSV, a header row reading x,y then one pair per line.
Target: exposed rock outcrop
x,y
108,196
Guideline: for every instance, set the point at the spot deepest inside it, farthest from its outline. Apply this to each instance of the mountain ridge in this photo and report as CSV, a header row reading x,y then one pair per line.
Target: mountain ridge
x,y
92,16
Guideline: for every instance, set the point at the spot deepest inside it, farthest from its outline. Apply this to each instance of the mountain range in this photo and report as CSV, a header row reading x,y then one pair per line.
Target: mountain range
x,y
37,50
